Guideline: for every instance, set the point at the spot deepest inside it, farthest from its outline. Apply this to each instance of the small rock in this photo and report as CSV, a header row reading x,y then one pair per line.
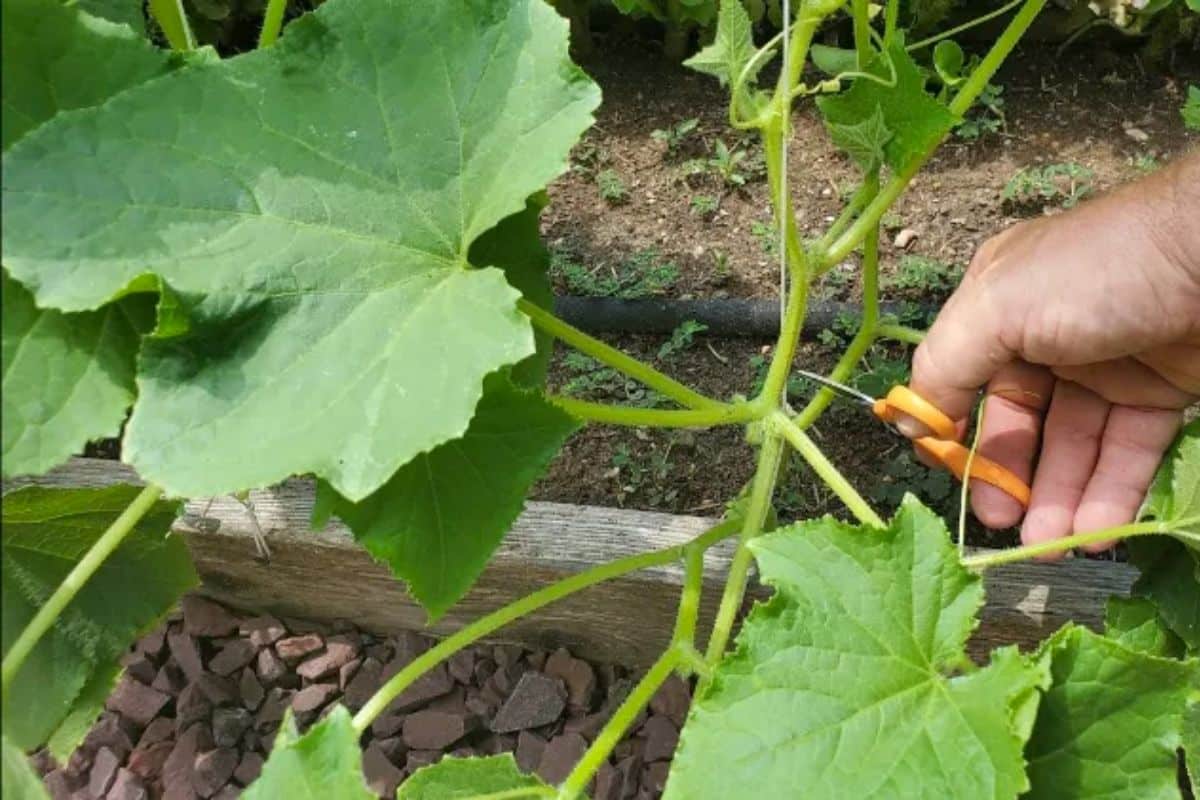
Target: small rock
x,y
661,738
136,701
346,673
58,785
530,747
339,651
251,741
228,725
169,680
271,711
191,707
270,667
506,655
387,724
364,684
382,776
217,690
127,786
248,769
536,700
462,666
672,700
186,654
392,747
435,730
420,758
1137,134
294,648
312,698
148,762
654,776
586,725
577,675
432,684
203,617
262,631
228,792
406,646
139,667
250,689
608,784
494,744
536,660
904,238
109,732
213,770
561,755
233,657
152,643
104,769
179,766
454,702
159,730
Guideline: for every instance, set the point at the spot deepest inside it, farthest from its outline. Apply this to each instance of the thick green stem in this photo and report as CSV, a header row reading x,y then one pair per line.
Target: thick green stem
x,y
616,726
862,32
856,233
272,22
826,471
727,414
45,617
891,16
900,333
689,598
527,605
614,358
1055,546
857,201
173,21
761,489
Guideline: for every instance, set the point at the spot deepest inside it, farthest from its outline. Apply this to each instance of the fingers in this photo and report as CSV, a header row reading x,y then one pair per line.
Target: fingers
x,y
1133,445
1012,424
1075,424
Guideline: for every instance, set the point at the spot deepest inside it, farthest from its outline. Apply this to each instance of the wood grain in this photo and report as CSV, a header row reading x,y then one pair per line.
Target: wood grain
x,y
325,575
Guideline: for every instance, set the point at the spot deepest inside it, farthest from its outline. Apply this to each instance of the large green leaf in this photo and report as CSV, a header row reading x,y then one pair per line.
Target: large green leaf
x,y
125,12
440,517
1136,624
86,708
1174,495
56,58
312,206
1109,725
68,378
732,46
323,764
1191,743
915,119
45,533
846,682
20,782
470,779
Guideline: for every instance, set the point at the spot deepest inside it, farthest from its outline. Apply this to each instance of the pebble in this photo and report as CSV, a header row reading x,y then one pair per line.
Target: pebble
x,y
127,786
203,617
262,631
213,770
136,701
535,701
233,657
561,755
294,648
904,238
436,730
104,770
381,775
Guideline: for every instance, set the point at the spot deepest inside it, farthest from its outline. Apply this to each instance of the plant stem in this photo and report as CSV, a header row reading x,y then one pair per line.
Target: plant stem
x,y
862,32
272,22
689,598
615,358
726,414
891,17
857,201
1053,546
901,333
615,728
827,472
999,12
761,488
856,233
45,617
527,605
173,21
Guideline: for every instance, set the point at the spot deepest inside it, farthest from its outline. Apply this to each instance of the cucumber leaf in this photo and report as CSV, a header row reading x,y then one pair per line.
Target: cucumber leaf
x,y
20,782
732,46
470,779
322,199
852,681
325,762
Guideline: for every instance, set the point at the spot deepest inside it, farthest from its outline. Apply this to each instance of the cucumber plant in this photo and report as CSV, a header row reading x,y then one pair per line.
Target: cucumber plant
x,y
322,258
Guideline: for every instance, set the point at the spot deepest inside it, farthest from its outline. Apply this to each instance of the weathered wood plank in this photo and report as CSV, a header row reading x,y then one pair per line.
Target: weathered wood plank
x,y
325,575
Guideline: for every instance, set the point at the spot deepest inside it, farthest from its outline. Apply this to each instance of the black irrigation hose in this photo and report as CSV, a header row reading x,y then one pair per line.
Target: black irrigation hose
x,y
730,317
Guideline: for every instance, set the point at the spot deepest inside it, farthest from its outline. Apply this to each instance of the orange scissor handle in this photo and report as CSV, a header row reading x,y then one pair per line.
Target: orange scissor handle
x,y
901,399
954,456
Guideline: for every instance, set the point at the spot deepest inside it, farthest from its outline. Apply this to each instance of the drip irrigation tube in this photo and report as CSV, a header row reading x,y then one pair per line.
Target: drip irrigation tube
x,y
726,317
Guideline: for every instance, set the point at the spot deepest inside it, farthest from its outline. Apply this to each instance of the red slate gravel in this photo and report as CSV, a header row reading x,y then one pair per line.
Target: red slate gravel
x,y
201,699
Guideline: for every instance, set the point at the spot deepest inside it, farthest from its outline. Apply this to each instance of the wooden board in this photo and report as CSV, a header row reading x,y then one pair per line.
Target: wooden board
x,y
325,575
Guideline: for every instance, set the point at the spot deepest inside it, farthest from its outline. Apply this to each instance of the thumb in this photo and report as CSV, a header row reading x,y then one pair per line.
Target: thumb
x,y
963,350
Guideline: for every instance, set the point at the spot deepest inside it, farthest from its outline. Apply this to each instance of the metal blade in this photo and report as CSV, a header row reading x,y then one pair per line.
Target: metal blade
x,y
840,388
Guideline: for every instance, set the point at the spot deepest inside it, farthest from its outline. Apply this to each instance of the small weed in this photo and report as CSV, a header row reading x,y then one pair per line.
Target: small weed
x,y
705,205
726,164
648,477
1062,184
767,234
591,380
891,221
641,275
676,135
833,283
722,272
797,385
880,371
1190,111
1144,163
612,188
922,276
681,339
904,473
986,118
586,158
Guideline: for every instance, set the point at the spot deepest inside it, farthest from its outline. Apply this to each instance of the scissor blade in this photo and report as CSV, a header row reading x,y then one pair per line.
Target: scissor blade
x,y
840,388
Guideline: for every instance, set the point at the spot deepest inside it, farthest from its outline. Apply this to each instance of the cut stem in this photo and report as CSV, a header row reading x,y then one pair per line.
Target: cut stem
x,y
614,358
826,471
725,414
1055,546
900,333
527,605
45,617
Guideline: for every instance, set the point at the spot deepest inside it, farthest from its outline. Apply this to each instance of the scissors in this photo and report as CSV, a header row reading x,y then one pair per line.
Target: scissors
x,y
943,446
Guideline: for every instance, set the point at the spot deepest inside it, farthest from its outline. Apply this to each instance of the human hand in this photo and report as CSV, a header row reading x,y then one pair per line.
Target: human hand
x,y
1085,327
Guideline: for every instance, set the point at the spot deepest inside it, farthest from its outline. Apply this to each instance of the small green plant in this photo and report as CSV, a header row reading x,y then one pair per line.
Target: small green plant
x,y
922,276
986,118
612,188
589,379
1061,184
722,271
642,274
1144,163
681,339
704,205
1190,111
726,164
767,235
677,135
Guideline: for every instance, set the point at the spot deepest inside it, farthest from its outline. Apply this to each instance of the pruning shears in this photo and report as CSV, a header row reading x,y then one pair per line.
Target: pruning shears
x,y
943,446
